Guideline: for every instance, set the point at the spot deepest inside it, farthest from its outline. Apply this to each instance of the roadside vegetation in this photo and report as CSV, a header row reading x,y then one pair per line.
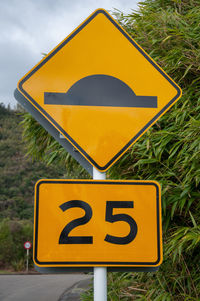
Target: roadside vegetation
x,y
169,152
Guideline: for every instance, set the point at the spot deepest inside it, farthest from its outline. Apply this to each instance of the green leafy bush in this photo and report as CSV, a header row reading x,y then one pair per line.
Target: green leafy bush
x,y
13,234
18,265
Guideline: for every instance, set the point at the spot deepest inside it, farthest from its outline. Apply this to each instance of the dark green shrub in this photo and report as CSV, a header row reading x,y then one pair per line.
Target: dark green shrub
x,y
13,234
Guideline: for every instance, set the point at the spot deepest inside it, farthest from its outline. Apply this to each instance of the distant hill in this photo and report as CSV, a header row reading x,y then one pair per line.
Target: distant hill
x,y
18,173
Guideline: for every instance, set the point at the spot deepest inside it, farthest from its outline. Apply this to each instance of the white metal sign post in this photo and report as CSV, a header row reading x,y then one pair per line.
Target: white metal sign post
x,y
27,246
100,273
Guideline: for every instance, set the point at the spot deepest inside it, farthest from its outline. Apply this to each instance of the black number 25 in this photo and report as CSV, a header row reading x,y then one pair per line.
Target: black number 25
x,y
110,217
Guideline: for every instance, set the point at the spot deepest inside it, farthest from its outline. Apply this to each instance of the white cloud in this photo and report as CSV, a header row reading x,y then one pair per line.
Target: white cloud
x,y
30,27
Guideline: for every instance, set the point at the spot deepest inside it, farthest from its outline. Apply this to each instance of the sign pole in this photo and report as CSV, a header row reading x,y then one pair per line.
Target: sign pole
x,y
27,255
100,273
27,246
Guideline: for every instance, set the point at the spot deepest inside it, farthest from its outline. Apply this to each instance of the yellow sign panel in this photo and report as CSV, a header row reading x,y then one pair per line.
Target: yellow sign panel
x,y
100,89
85,223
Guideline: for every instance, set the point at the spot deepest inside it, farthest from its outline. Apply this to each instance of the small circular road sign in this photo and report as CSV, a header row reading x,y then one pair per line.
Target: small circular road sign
x,y
27,245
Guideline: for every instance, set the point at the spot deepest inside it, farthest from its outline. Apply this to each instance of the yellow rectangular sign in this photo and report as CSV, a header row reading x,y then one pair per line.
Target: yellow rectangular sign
x,y
86,223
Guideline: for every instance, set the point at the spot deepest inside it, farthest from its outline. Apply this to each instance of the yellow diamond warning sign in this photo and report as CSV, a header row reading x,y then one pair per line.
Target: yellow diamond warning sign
x,y
99,89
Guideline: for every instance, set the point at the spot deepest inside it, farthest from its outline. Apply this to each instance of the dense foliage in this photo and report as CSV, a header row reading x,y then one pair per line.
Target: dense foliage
x,y
13,234
169,31
170,151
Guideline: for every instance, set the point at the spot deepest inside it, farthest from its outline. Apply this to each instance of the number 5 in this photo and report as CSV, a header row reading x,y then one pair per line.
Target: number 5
x,y
112,218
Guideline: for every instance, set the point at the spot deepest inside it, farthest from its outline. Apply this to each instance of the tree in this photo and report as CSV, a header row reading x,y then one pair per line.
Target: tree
x,y
169,152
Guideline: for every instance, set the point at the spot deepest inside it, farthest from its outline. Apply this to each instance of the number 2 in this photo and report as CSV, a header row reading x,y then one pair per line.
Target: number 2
x,y
64,236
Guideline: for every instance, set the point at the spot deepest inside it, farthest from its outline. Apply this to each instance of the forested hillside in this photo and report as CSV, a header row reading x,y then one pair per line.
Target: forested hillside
x,y
18,176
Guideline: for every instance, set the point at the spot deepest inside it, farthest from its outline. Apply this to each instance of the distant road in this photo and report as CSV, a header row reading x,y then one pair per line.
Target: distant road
x,y
36,287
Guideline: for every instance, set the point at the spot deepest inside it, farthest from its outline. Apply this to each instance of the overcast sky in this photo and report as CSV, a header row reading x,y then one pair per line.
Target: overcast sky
x,y
29,28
